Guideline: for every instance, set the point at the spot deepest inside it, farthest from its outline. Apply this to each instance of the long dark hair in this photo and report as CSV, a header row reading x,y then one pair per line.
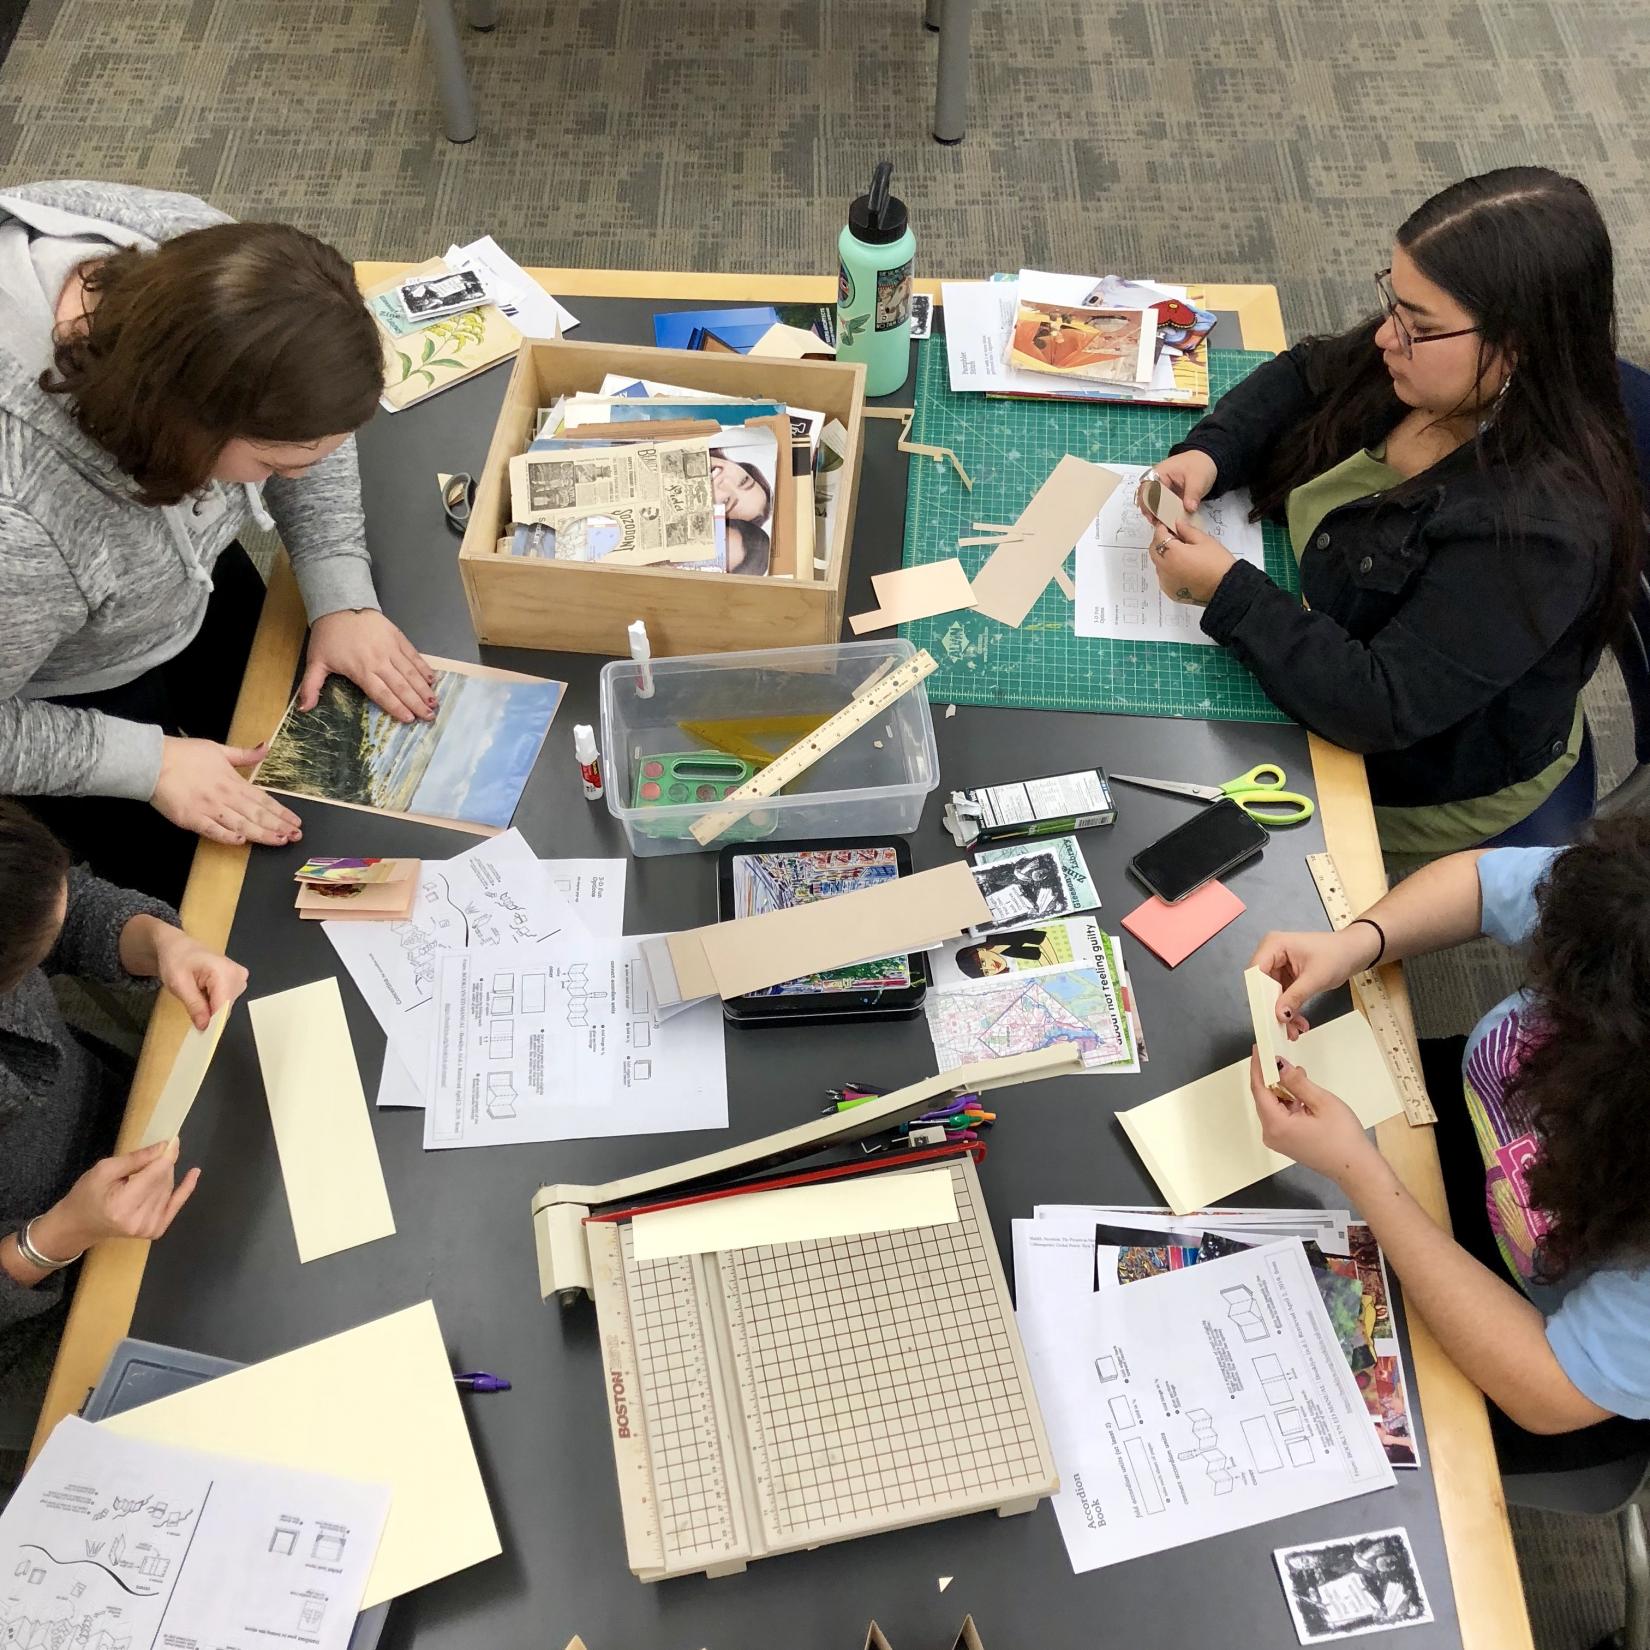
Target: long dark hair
x,y
33,864
253,330
1581,1079
1525,252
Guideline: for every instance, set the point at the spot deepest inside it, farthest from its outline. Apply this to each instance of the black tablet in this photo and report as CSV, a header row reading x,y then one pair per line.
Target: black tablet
x,y
773,876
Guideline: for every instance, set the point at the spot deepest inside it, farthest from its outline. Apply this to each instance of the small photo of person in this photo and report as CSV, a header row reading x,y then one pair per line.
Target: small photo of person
x,y
998,956
742,482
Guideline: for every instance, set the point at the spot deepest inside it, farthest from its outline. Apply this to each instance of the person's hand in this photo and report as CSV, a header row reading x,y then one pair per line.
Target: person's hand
x,y
1188,475
201,979
1307,964
364,646
127,1196
1189,563
1309,1124
200,790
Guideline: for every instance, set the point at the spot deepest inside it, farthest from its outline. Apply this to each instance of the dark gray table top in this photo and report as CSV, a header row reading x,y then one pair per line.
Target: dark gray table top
x,y
227,1281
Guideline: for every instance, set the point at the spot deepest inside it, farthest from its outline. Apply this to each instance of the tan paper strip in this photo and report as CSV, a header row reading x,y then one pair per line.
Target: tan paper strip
x,y
323,1131
174,1101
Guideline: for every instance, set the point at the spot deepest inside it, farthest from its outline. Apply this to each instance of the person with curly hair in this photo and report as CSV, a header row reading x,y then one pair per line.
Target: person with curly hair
x,y
1558,1336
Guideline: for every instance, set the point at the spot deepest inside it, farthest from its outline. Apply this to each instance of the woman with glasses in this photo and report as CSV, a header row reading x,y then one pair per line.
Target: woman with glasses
x,y
1457,478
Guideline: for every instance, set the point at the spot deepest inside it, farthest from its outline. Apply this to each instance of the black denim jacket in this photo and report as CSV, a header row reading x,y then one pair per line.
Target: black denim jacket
x,y
1443,645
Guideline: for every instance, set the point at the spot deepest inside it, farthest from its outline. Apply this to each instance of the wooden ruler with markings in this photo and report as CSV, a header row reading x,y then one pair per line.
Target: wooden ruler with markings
x,y
871,701
1375,1000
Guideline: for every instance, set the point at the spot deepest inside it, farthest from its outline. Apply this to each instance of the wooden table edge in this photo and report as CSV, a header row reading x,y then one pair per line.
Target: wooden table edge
x,y
1489,1594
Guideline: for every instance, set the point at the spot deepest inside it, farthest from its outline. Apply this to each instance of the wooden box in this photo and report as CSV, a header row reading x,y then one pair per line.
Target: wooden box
x,y
583,607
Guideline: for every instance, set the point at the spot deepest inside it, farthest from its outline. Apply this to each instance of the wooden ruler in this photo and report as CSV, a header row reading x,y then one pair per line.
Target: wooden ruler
x,y
868,704
1375,1000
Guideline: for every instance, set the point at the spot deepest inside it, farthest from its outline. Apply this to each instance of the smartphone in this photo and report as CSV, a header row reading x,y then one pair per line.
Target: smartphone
x,y
1220,839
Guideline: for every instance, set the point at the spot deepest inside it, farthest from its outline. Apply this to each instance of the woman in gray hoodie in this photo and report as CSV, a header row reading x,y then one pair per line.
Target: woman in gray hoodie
x,y
165,374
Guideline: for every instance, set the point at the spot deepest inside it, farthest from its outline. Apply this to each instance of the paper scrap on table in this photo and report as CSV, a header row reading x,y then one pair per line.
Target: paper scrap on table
x,y
524,303
1352,1585
1174,932
111,1541
730,959
785,343
1263,993
177,1095
1118,595
375,1403
798,1214
1006,588
1202,1141
911,593
559,1042
1183,1406
323,1133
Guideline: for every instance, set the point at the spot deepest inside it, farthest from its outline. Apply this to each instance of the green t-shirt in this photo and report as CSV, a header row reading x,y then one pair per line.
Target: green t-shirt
x,y
1444,827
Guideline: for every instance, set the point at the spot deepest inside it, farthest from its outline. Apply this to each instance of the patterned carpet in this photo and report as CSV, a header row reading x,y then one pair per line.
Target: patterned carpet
x,y
1274,140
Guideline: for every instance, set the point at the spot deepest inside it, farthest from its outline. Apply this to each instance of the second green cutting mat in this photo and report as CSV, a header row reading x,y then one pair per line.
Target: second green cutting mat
x,y
1008,448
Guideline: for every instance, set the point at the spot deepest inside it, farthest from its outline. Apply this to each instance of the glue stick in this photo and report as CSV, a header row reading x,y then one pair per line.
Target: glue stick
x,y
642,653
589,759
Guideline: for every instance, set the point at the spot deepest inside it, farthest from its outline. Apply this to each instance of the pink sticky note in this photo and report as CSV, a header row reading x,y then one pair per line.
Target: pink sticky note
x,y
1175,931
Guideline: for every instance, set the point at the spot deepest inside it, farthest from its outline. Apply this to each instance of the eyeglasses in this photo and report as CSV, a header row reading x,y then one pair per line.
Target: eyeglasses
x,y
1407,339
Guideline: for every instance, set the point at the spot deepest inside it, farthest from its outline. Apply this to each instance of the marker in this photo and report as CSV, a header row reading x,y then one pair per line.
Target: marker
x,y
642,653
480,1381
589,760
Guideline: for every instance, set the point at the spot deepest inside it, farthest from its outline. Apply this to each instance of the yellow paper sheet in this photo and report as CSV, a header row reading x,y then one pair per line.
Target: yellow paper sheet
x,y
799,1214
188,1072
1202,1142
323,1131
375,1403
1263,993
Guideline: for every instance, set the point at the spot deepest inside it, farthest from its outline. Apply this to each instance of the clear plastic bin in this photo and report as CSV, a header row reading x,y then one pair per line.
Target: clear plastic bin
x,y
873,784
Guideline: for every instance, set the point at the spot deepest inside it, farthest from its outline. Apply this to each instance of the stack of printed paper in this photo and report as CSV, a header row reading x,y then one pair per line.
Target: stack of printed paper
x,y
1078,338
1217,1398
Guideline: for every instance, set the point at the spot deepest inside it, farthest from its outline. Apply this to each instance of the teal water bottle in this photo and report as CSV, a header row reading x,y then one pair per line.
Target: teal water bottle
x,y
873,299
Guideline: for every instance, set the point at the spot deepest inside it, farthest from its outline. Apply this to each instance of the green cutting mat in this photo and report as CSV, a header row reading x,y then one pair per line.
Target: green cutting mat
x,y
1009,448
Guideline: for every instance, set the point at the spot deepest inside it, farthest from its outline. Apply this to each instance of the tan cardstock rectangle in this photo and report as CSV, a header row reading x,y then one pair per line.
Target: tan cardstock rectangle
x,y
376,1403
798,1214
730,959
1263,992
174,1101
1016,574
323,1131
911,593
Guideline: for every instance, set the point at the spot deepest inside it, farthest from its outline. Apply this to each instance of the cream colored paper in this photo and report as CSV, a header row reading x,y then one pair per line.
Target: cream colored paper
x,y
905,915
1016,573
1202,1142
784,343
188,1073
798,1214
375,1403
1263,992
915,593
323,1132
1164,505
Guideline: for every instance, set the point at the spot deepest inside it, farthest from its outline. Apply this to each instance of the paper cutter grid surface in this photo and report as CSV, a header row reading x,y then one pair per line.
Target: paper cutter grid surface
x,y
876,1378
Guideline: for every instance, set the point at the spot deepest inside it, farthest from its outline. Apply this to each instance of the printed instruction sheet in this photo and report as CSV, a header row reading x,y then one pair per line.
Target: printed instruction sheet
x,y
1197,1402
1117,590
113,1541
558,1042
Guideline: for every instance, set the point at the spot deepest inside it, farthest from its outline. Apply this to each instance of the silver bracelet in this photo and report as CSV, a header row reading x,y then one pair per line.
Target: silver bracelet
x,y
26,1248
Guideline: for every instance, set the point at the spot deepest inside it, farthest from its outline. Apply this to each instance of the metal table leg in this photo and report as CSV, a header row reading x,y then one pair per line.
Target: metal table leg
x,y
951,85
931,14
483,15
457,106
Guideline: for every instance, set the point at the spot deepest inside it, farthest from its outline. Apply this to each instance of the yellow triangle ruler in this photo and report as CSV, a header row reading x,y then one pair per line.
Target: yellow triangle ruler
x,y
739,736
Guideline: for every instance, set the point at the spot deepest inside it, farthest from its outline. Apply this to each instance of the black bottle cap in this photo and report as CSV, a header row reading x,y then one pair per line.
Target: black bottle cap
x,y
876,217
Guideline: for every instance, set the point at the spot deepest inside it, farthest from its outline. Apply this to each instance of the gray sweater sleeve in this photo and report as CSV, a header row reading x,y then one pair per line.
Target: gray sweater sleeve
x,y
321,524
89,944
48,749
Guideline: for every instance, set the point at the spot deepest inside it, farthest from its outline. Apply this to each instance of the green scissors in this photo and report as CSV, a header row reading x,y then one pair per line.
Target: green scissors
x,y
1259,793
